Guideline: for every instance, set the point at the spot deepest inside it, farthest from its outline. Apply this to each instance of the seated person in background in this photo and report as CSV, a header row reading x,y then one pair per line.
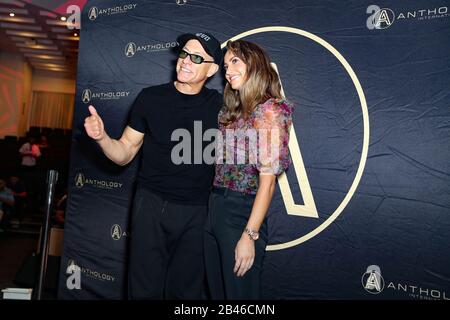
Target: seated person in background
x,y
30,152
6,203
17,187
43,143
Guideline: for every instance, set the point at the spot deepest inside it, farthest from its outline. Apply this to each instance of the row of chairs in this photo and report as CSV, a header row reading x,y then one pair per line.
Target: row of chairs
x,y
37,132
56,155
49,131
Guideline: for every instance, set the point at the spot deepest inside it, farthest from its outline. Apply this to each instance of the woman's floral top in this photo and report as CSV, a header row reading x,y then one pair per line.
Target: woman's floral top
x,y
257,145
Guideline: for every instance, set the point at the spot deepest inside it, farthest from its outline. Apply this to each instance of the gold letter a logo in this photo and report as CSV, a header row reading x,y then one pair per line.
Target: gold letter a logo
x,y
308,209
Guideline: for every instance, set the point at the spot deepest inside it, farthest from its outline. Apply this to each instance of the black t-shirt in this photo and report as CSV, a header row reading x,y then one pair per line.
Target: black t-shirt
x,y
158,111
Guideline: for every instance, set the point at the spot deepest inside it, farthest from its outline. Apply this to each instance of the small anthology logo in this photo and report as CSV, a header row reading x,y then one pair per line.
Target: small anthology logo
x,y
74,280
372,280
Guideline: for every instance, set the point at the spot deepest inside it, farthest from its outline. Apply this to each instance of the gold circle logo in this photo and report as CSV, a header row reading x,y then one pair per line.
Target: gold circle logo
x,y
365,115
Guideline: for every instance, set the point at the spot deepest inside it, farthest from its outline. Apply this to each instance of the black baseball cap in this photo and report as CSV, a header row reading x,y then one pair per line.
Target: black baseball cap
x,y
208,42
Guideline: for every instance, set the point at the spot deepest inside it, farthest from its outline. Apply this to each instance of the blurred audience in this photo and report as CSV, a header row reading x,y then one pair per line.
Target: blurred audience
x,y
20,196
43,142
6,205
30,152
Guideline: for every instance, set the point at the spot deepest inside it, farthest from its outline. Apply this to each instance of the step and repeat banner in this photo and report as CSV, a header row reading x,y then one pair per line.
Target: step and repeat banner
x,y
363,212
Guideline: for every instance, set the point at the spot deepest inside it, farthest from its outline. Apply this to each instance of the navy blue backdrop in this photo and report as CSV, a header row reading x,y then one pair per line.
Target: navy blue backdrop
x,y
363,213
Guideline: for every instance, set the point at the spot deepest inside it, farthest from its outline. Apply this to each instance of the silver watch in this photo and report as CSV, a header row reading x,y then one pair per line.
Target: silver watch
x,y
254,235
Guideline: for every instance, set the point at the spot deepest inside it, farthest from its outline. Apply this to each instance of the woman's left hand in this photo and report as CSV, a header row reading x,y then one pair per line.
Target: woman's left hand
x,y
244,255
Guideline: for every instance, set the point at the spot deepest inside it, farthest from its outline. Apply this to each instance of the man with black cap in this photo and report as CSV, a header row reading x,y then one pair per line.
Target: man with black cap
x,y
170,204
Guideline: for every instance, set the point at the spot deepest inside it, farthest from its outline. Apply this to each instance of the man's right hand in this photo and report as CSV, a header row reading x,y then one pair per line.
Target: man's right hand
x,y
120,151
94,125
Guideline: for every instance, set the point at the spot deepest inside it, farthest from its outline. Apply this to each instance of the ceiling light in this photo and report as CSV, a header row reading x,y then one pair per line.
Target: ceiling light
x,y
11,14
63,18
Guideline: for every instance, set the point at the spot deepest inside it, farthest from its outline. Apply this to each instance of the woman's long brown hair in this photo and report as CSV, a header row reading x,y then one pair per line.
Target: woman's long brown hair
x,y
261,83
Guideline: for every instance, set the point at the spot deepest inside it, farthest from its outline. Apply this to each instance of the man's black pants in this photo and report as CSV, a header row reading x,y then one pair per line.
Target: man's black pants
x,y
166,251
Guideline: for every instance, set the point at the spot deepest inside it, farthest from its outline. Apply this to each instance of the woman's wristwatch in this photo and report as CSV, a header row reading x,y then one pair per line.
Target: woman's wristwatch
x,y
254,235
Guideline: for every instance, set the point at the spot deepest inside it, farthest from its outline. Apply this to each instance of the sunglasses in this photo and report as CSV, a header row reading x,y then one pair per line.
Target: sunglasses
x,y
195,58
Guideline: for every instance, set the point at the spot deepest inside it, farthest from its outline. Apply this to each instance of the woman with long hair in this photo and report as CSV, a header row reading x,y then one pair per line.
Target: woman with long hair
x,y
252,150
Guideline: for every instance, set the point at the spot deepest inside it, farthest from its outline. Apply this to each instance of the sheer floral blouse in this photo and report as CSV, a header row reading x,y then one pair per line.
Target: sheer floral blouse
x,y
257,145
